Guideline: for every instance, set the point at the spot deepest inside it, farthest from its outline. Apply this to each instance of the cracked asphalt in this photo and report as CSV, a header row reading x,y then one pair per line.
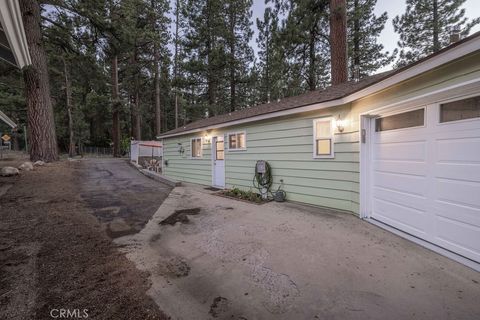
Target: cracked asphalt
x,y
121,198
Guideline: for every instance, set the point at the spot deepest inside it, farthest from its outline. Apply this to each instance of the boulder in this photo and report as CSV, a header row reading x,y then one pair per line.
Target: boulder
x,y
39,163
9,171
26,166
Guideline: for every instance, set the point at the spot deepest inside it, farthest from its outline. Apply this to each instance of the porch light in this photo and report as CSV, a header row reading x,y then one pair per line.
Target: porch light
x,y
340,123
207,138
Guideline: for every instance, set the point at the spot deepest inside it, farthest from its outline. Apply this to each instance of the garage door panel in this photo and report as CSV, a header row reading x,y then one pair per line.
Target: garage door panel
x,y
402,135
459,237
411,184
402,217
459,149
401,167
410,151
467,172
452,211
458,192
401,198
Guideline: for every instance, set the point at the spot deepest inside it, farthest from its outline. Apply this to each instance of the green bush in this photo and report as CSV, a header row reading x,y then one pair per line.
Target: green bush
x,y
244,195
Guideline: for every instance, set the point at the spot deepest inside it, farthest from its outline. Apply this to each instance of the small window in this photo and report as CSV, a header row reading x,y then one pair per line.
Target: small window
x,y
237,141
460,110
196,147
408,119
323,138
219,149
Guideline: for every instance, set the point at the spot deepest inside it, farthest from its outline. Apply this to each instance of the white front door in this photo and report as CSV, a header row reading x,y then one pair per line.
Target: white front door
x,y
425,174
218,158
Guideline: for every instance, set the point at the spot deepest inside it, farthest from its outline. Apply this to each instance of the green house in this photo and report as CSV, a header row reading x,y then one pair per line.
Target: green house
x,y
401,148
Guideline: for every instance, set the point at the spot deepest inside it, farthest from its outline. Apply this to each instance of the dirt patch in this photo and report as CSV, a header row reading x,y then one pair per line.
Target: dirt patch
x,y
55,254
180,216
173,267
219,306
212,189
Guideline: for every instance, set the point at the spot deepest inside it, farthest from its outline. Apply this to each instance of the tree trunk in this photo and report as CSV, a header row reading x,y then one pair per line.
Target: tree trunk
x,y
211,78
135,100
68,95
233,80
115,108
15,144
338,41
436,42
356,41
158,108
138,116
175,68
312,81
267,63
41,124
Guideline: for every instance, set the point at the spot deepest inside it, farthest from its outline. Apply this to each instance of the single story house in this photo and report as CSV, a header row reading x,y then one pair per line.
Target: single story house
x,y
400,149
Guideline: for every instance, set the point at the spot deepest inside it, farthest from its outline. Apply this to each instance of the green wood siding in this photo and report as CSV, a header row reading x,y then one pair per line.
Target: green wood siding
x,y
287,144
183,167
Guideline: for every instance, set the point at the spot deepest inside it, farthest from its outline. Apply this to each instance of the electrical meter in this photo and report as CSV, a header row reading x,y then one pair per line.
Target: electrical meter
x,y
261,166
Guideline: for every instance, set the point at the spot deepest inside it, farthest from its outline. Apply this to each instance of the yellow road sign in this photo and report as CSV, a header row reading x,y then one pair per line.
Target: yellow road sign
x,y
5,137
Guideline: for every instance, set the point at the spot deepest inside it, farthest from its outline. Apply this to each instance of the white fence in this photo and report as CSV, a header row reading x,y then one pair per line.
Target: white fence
x,y
147,153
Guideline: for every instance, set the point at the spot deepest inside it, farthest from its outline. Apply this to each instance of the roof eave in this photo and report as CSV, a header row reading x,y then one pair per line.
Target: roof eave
x,y
11,20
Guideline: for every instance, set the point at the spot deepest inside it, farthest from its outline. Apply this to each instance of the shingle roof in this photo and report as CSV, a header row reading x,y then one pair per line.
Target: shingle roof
x,y
308,98
305,99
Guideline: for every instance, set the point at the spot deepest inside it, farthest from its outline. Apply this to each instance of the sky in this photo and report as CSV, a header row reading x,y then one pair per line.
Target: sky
x,y
388,37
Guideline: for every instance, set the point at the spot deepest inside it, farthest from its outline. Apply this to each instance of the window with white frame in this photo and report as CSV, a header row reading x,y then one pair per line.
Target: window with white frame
x,y
196,147
237,141
323,138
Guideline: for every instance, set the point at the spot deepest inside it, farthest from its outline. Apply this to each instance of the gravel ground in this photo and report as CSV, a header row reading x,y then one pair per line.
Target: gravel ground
x,y
56,249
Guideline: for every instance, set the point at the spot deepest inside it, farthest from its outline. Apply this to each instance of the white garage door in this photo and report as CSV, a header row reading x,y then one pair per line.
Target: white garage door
x,y
426,174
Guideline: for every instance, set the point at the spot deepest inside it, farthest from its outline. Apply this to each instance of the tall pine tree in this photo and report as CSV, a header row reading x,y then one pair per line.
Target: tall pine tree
x,y
271,57
365,54
426,26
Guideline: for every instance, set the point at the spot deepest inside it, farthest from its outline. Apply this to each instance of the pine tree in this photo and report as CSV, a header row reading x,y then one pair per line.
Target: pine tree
x,y
217,55
240,54
304,38
41,123
365,54
271,61
205,52
426,26
338,41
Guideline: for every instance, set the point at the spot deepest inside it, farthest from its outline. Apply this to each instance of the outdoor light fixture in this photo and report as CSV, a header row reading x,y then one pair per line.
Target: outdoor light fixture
x,y
206,139
181,150
340,124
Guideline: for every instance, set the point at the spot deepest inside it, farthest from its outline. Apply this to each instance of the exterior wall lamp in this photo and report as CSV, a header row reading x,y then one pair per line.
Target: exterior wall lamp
x,y
340,123
181,150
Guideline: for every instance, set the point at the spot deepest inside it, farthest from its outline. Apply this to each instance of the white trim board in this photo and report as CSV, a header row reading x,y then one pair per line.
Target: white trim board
x,y
449,55
7,120
11,19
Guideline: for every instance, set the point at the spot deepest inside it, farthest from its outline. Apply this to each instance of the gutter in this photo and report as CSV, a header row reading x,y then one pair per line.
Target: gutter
x,y
7,120
438,59
11,21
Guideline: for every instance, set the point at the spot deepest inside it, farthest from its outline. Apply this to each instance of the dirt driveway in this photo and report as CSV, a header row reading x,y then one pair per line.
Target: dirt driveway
x,y
54,251
226,259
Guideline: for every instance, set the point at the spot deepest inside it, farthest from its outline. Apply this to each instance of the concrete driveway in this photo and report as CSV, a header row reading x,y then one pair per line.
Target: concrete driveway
x,y
235,260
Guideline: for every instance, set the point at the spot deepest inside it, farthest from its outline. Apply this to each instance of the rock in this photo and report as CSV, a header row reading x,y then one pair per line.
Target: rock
x,y
39,163
26,166
9,171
